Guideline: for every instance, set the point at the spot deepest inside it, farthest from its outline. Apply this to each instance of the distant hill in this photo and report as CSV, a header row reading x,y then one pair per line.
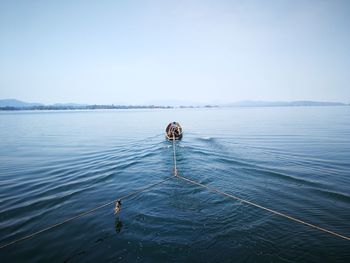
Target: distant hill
x,y
17,103
249,103
21,104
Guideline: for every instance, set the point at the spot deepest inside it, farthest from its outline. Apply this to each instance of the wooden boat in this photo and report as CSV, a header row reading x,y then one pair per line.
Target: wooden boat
x,y
173,131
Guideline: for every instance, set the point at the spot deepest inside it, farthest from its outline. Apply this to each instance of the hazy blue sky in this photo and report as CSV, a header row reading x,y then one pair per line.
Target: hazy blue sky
x,y
151,51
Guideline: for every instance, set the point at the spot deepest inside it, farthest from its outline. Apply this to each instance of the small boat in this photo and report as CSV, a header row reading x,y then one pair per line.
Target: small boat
x,y
173,131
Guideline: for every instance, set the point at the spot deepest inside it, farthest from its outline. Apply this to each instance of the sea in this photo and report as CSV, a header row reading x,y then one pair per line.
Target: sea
x,y
55,165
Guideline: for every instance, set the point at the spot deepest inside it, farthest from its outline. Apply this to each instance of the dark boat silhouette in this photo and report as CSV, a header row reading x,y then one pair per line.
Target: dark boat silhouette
x,y
173,131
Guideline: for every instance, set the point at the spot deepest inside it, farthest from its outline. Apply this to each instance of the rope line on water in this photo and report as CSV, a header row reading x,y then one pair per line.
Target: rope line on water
x,y
84,213
212,189
174,151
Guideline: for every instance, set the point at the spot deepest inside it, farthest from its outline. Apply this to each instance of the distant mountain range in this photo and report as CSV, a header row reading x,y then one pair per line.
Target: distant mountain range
x,y
21,104
13,104
18,103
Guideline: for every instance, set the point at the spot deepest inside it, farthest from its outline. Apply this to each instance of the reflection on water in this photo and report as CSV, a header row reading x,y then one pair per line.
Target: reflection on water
x,y
118,224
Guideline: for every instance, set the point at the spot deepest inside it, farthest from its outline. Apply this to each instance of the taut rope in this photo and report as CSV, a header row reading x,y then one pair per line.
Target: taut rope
x,y
212,189
84,213
174,151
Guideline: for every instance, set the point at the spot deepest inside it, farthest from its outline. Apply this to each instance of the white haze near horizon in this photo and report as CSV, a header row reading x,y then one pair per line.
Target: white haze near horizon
x,y
141,52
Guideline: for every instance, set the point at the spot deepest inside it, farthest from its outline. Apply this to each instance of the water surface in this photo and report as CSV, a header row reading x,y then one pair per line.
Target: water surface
x,y
56,164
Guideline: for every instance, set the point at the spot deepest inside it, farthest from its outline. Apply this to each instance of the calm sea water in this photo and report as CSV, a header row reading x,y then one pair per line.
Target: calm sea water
x,y
56,164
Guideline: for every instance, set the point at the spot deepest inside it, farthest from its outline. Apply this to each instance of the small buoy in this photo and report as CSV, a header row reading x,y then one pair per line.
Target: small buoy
x,y
118,207
173,131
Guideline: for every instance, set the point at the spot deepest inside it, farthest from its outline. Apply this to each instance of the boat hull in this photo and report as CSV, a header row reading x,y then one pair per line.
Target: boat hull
x,y
173,131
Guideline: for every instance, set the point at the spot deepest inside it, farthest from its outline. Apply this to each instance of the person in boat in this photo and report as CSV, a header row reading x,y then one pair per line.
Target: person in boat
x,y
173,131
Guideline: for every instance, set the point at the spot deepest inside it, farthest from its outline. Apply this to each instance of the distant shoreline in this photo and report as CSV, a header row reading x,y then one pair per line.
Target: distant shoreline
x,y
106,107
100,107
17,105
88,107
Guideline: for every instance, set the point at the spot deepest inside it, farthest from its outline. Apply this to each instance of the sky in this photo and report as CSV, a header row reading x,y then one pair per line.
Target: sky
x,y
158,52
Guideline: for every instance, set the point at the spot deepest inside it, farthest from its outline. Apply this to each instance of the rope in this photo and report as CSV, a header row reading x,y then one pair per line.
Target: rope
x,y
160,182
83,213
264,208
174,150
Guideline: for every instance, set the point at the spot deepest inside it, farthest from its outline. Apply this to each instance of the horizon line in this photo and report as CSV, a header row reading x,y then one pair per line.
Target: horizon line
x,y
178,102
